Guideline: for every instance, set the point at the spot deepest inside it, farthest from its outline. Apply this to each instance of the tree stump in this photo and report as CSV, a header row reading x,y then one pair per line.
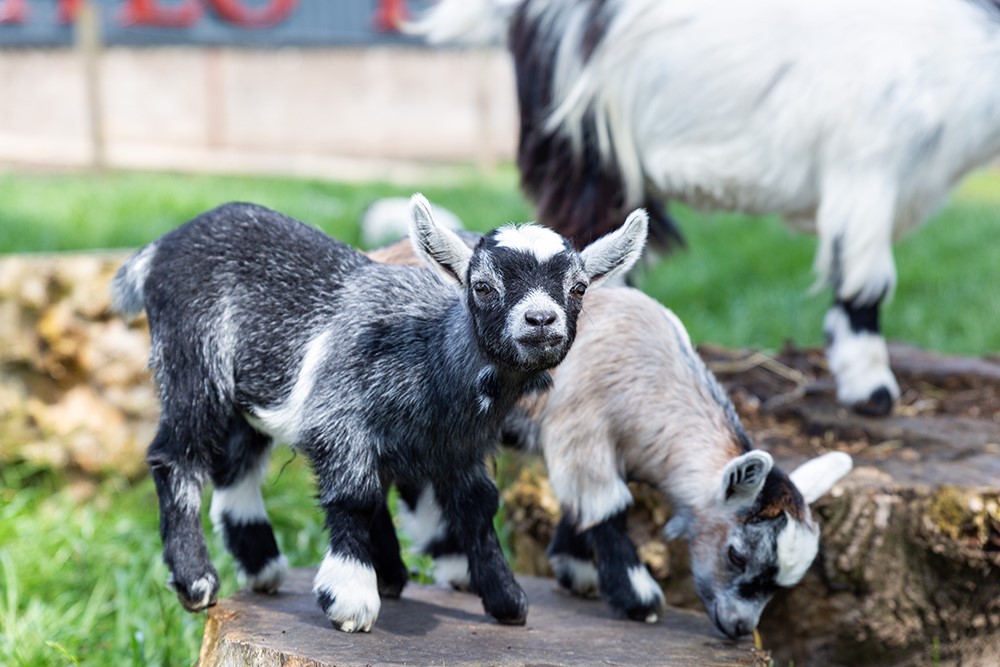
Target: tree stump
x,y
435,626
909,567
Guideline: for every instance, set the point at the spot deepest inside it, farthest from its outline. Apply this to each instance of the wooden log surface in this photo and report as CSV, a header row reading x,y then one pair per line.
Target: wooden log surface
x,y
432,625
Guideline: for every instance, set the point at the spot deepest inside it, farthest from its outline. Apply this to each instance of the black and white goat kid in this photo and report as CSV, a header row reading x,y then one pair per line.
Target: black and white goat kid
x,y
633,401
852,117
265,330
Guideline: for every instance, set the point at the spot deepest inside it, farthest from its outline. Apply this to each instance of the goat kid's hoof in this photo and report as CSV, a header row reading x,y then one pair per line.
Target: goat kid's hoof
x,y
878,404
269,578
578,576
513,611
197,595
351,609
647,602
391,589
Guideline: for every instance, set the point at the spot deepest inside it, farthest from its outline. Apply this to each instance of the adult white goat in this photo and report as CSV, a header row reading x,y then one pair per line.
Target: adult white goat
x,y
854,117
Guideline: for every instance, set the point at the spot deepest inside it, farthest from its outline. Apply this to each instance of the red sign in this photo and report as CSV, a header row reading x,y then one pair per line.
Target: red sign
x,y
182,14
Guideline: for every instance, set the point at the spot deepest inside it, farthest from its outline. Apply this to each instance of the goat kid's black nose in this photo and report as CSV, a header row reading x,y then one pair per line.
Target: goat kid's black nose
x,y
540,318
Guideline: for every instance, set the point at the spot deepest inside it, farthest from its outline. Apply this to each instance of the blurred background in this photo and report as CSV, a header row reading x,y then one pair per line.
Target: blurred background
x,y
121,119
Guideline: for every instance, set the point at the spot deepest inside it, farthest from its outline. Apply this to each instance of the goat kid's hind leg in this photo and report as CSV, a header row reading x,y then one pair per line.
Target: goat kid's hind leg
x,y
572,559
390,571
469,502
423,521
178,488
238,512
625,582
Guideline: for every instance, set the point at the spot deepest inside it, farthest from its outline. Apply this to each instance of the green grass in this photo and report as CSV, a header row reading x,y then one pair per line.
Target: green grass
x,y
745,282
81,580
741,281
45,212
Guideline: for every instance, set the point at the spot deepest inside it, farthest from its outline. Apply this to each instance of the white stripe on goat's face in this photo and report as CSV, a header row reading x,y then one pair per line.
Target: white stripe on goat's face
x,y
541,242
526,286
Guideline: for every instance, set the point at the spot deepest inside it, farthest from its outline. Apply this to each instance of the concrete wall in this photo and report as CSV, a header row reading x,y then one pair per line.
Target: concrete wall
x,y
341,112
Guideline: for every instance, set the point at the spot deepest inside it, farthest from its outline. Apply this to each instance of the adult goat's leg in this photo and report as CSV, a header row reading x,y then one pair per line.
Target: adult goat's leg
x,y
855,223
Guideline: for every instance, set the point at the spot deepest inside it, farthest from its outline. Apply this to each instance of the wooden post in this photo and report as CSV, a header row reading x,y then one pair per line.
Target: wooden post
x,y
88,43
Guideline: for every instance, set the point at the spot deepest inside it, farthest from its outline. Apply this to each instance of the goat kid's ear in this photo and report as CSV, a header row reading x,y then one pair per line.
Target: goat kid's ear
x,y
744,477
437,245
617,252
680,525
817,475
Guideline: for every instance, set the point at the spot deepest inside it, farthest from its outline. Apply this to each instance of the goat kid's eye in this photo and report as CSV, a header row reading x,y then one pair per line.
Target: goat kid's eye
x,y
482,289
736,558
578,290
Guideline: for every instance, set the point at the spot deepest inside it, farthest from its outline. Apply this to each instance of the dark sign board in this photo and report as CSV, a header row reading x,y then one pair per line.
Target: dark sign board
x,y
211,22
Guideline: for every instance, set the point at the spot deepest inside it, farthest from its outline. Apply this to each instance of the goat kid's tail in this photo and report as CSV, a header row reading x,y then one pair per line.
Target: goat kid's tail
x,y
465,22
127,298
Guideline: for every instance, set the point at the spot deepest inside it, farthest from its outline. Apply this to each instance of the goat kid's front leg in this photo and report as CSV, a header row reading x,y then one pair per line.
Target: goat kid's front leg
x,y
346,585
625,582
859,358
469,503
185,553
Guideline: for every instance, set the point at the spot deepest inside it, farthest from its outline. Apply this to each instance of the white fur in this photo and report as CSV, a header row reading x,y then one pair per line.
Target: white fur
x,y
815,477
424,523
462,22
797,545
439,247
284,422
595,255
858,360
591,501
539,301
582,574
241,502
128,295
646,589
187,494
387,220
453,569
200,587
749,471
778,95
543,243
270,577
354,589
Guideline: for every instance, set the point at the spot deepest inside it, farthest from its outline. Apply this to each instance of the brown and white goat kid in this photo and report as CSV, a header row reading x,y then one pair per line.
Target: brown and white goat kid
x,y
633,401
